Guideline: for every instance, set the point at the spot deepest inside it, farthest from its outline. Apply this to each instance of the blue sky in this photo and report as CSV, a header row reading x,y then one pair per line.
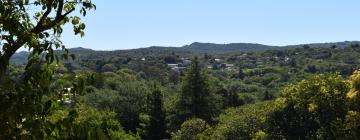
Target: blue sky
x,y
126,24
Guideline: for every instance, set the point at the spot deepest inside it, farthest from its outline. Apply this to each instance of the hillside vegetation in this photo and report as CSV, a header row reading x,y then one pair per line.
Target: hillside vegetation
x,y
236,95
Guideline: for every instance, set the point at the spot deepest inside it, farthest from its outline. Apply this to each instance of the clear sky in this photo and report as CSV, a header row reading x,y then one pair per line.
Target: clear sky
x,y
126,24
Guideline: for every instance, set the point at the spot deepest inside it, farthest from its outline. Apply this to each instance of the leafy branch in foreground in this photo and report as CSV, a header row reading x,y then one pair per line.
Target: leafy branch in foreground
x,y
25,99
38,31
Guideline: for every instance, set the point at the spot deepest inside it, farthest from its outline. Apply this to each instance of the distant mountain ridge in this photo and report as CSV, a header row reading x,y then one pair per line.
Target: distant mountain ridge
x,y
196,47
329,44
225,48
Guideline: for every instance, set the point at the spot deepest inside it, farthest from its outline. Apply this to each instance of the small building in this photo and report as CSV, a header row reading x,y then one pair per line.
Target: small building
x,y
186,62
173,65
229,66
178,69
218,60
287,59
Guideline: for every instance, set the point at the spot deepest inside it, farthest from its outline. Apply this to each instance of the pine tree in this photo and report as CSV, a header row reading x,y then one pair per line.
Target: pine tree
x,y
268,95
194,99
233,100
241,74
156,129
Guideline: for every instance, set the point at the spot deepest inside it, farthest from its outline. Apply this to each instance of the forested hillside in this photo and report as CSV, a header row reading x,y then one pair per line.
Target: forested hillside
x,y
237,95
194,48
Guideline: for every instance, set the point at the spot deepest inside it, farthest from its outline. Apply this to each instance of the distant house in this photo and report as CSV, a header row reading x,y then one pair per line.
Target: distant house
x,y
173,65
218,60
223,66
178,69
287,58
229,67
186,62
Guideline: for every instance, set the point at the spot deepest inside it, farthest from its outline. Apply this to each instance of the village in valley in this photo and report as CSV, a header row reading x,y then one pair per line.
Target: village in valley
x,y
215,64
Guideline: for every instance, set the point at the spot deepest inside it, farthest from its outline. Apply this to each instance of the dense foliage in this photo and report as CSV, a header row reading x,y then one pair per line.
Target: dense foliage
x,y
38,100
314,108
299,93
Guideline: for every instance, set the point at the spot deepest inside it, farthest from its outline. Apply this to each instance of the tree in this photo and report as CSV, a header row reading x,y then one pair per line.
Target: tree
x,y
170,59
353,117
243,122
174,77
268,95
355,46
241,74
194,99
95,79
306,47
231,98
21,28
312,109
333,47
126,98
156,128
108,68
86,123
207,57
311,69
191,130
23,106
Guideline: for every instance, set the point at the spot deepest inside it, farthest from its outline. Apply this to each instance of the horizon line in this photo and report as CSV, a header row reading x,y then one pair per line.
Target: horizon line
x,y
217,44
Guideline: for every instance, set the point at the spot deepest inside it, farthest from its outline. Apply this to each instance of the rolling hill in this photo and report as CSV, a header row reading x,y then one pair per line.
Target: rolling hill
x,y
196,47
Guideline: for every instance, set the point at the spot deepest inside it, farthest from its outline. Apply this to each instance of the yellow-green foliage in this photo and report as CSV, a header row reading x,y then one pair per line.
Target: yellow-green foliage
x,y
318,93
353,117
127,75
191,130
86,123
313,108
245,122
354,93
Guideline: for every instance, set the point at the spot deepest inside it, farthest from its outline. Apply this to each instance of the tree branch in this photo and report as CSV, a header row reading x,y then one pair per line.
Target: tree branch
x,y
40,27
2,21
37,29
60,8
59,17
46,14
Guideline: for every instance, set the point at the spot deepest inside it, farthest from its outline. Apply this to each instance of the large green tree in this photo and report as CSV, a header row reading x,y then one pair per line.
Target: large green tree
x,y
315,108
156,128
37,31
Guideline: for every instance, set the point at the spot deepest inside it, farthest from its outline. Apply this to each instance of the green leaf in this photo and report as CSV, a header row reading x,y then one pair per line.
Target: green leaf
x,y
26,2
75,20
82,34
82,26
